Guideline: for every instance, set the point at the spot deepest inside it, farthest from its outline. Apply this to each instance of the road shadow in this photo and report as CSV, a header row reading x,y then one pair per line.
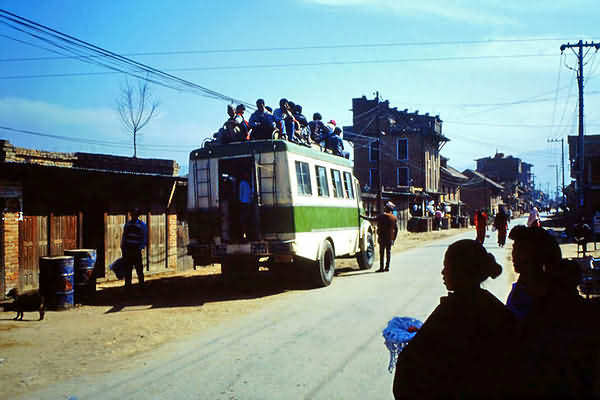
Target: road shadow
x,y
190,291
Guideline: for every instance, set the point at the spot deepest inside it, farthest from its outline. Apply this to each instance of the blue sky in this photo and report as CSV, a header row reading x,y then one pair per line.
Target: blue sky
x,y
431,56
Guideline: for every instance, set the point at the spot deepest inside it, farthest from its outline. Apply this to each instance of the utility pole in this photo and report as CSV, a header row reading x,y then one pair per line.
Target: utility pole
x,y
379,148
556,167
562,166
580,142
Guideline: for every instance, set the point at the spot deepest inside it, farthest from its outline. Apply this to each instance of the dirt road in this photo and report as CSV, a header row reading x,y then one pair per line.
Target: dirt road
x,y
91,338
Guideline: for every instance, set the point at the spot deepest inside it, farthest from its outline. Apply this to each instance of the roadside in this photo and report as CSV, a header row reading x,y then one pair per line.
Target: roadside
x,y
92,338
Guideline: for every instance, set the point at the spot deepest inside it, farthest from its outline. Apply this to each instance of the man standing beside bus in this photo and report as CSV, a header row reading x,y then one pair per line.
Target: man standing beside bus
x,y
133,241
387,230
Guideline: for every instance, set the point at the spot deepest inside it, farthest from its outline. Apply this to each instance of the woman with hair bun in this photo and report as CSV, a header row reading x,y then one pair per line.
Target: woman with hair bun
x,y
466,340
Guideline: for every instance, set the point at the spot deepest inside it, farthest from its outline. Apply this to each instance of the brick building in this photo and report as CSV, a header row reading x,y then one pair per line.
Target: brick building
x,y
410,151
514,175
53,201
591,174
451,181
481,192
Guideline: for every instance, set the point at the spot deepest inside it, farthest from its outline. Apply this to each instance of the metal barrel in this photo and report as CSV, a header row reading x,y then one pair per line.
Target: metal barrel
x,y
85,278
56,281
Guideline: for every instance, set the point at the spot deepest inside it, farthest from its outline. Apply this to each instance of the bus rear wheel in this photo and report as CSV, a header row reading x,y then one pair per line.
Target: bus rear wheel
x,y
324,268
366,258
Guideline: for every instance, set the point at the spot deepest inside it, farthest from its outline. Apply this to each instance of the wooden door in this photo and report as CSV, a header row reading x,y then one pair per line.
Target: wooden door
x,y
113,230
157,242
63,233
29,253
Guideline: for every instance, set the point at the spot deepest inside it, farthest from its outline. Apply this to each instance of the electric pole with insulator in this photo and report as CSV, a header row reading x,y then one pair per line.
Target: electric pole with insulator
x,y
580,142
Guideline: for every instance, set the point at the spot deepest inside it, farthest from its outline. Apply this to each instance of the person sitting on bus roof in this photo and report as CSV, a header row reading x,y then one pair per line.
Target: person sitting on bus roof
x,y
284,120
261,122
244,132
227,131
336,144
318,130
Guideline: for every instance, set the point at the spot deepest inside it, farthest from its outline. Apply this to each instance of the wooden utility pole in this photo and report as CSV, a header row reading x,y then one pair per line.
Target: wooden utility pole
x,y
580,142
379,149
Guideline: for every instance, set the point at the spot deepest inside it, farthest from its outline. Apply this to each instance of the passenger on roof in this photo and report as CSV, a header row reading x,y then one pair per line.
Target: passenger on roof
x,y
336,144
284,120
261,122
318,130
227,132
244,132
303,124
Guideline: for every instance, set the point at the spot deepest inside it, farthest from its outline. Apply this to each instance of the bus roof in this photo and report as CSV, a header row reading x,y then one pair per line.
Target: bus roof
x,y
264,146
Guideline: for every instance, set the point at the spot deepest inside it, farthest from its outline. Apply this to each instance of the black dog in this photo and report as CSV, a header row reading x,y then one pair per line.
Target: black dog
x,y
31,300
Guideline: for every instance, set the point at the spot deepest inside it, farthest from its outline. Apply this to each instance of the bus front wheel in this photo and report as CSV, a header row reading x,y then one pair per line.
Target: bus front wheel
x,y
366,258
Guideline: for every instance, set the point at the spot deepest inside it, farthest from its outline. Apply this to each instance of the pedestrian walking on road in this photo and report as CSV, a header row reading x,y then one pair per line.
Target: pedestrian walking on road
x,y
481,221
462,349
387,230
534,218
501,225
133,241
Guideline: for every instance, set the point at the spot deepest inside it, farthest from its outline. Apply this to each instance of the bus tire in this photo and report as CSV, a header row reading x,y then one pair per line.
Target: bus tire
x,y
324,267
366,258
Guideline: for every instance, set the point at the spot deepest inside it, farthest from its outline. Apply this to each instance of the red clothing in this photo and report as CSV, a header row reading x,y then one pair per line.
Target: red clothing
x,y
481,226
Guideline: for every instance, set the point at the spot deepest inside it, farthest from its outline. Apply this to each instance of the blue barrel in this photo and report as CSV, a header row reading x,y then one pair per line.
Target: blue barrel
x,y
56,281
85,278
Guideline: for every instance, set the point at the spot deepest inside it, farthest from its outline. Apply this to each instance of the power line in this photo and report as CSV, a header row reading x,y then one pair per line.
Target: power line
x,y
83,50
299,48
299,65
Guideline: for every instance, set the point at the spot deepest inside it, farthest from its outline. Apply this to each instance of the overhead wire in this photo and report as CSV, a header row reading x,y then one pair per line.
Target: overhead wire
x,y
134,68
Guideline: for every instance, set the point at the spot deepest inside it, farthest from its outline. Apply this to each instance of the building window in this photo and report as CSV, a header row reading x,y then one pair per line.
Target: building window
x,y
402,176
322,185
373,151
303,177
373,178
336,178
402,149
348,188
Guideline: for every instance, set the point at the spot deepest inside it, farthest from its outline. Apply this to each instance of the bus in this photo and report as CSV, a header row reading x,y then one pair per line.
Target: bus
x,y
304,210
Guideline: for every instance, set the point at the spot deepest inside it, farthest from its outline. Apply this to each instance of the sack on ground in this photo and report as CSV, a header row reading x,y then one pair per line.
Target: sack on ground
x,y
118,267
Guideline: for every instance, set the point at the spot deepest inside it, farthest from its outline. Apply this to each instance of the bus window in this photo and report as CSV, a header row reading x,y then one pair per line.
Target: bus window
x,y
322,186
348,185
303,177
336,178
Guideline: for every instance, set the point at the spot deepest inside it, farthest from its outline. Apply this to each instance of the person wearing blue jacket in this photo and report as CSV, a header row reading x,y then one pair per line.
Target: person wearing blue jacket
x,y
133,241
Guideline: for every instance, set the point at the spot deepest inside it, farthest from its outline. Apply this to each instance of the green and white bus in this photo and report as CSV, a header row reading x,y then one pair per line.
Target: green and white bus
x,y
304,211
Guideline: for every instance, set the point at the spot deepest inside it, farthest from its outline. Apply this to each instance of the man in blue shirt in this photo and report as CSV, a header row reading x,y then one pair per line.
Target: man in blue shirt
x,y
133,241
284,120
261,122
336,145
246,196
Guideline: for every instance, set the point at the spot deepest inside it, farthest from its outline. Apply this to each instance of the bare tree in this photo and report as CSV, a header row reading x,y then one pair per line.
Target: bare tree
x,y
136,108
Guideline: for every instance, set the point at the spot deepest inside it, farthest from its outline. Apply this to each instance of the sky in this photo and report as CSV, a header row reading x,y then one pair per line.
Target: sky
x,y
492,70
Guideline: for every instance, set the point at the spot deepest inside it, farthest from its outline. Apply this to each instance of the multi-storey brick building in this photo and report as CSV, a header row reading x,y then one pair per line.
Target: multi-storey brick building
x,y
513,174
410,150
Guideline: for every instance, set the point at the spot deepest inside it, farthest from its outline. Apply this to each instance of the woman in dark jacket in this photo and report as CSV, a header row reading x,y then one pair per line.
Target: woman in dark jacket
x,y
465,343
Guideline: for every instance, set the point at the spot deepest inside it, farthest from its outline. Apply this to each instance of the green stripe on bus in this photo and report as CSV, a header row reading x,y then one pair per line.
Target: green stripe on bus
x,y
307,218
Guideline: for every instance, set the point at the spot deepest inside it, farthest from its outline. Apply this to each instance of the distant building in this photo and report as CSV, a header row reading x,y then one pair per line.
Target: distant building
x,y
481,192
451,181
591,175
513,174
410,152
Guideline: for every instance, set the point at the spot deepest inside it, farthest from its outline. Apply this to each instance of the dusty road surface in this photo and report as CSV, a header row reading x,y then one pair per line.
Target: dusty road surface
x,y
188,336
